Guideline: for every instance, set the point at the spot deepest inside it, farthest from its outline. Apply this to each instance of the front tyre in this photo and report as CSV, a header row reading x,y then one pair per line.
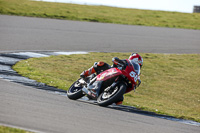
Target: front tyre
x,y
75,91
108,97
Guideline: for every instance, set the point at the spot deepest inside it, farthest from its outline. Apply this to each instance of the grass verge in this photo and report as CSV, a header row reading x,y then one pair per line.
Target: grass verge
x,y
170,82
4,129
100,14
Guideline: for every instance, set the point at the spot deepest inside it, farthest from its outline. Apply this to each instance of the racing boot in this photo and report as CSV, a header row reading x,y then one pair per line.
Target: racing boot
x,y
98,67
120,101
88,72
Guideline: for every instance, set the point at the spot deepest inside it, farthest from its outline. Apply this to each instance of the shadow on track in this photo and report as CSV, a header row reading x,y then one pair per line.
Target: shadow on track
x,y
131,109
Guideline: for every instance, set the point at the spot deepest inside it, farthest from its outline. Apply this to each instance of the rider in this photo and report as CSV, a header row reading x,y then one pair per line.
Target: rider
x,y
99,67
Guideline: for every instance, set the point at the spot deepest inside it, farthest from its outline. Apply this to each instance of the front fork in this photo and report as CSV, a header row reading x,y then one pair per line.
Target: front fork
x,y
92,90
112,86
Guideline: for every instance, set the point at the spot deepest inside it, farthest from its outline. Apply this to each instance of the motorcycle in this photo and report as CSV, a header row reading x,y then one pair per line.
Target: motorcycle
x,y
109,86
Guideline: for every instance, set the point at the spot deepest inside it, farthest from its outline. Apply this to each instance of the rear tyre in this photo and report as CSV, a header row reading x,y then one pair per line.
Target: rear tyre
x,y
107,98
75,91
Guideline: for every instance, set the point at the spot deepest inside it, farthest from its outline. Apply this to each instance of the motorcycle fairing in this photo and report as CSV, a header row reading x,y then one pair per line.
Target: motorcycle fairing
x,y
103,80
107,74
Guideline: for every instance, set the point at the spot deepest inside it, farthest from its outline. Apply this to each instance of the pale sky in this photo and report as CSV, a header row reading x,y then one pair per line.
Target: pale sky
x,y
165,5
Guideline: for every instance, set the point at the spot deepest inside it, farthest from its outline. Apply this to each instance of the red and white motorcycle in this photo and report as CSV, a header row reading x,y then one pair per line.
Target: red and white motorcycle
x,y
107,87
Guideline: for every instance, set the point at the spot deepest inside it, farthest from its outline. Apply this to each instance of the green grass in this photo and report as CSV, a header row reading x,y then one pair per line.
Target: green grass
x,y
100,14
4,129
170,82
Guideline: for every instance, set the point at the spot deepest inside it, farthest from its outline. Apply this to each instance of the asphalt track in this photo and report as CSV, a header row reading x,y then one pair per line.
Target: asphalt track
x,y
41,111
23,33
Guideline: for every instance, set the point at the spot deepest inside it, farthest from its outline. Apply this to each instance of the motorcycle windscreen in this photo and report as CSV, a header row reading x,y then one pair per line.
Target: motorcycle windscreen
x,y
108,74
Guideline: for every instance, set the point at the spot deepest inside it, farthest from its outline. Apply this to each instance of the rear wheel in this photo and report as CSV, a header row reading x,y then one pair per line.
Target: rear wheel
x,y
108,97
75,91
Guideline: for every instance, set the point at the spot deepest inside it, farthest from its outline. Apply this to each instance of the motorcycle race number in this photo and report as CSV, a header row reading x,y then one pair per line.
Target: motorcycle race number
x,y
134,75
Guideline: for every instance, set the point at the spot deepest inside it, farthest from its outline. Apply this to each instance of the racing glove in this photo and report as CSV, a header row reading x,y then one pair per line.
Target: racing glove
x,y
82,75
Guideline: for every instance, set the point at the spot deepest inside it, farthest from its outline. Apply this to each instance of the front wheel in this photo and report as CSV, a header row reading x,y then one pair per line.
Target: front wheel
x,y
75,91
108,97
